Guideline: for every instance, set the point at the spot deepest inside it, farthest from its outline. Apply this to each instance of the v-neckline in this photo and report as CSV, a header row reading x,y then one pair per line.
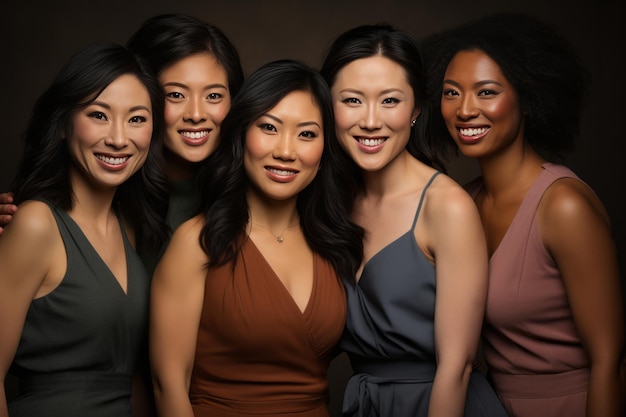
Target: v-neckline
x,y
92,249
304,312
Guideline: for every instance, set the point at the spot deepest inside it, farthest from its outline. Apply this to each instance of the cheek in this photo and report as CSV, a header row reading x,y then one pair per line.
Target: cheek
x,y
220,112
503,109
312,155
143,138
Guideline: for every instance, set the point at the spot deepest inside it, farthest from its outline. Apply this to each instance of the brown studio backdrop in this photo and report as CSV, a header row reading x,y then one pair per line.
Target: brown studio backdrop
x,y
36,38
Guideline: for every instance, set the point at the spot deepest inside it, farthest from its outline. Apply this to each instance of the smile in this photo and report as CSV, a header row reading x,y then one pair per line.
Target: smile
x,y
280,171
370,142
473,131
112,160
194,135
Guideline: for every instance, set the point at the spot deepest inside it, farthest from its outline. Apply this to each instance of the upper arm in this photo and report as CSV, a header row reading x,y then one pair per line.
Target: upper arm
x,y
575,230
457,243
25,259
176,304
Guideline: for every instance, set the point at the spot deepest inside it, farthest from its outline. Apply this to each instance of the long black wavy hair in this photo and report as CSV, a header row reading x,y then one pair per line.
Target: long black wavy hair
x,y
322,205
386,41
43,172
548,76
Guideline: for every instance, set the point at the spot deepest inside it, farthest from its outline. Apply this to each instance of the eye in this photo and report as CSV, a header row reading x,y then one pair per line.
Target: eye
x,y
175,95
391,100
268,127
449,92
351,100
214,96
138,119
487,92
98,115
309,134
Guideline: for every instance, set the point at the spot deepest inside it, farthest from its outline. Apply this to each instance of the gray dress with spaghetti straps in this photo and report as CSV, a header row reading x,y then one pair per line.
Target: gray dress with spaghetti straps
x,y
80,343
389,336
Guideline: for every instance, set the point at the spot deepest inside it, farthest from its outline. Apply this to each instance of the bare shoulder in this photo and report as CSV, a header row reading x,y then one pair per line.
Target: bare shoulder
x,y
570,201
185,243
189,231
33,222
447,198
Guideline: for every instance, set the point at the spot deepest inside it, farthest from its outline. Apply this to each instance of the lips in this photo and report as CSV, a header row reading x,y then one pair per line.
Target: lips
x,y
370,145
195,137
113,162
281,174
470,135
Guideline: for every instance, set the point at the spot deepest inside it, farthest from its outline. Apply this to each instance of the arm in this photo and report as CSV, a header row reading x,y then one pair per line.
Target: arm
x,y
7,209
575,230
457,242
25,257
176,306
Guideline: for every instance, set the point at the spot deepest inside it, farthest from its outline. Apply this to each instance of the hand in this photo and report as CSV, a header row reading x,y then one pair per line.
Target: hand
x,y
7,209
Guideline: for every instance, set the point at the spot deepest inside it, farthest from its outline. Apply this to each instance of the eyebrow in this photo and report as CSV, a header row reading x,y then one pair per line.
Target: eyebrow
x,y
132,109
206,87
478,84
387,91
307,123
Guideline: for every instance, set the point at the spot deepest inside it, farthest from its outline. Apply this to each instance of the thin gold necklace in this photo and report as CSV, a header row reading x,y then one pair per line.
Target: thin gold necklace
x,y
279,237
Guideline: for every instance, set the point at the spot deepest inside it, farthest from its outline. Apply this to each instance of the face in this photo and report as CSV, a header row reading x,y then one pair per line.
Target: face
x,y
283,147
374,107
108,140
479,105
196,101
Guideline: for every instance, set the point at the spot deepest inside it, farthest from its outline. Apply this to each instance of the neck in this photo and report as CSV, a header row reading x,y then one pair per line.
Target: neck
x,y
508,172
179,169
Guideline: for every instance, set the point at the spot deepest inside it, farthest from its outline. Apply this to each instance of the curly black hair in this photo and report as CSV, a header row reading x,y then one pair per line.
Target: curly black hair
x,y
547,74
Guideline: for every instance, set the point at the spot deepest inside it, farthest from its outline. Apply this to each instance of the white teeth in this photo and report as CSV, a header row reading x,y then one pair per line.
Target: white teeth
x,y
280,171
194,135
112,161
370,142
473,131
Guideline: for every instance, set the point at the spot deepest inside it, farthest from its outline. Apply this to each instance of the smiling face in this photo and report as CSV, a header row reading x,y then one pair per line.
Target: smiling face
x,y
374,107
283,147
197,99
108,140
480,106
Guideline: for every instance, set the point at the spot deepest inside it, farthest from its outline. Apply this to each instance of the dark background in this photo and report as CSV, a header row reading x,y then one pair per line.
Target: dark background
x,y
37,37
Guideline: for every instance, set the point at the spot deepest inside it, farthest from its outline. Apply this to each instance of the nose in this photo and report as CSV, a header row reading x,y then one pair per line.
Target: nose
x,y
285,147
195,110
371,119
467,108
117,136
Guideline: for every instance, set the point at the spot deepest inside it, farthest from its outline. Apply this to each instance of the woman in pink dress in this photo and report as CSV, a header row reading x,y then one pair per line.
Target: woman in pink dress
x,y
510,92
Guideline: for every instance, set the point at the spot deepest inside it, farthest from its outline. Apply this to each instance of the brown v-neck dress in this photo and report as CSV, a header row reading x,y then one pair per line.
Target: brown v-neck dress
x,y
257,353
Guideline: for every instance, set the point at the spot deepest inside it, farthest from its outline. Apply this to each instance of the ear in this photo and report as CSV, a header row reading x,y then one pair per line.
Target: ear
x,y
416,112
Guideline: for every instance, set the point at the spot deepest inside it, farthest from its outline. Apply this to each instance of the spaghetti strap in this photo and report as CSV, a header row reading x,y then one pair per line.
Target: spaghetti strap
x,y
419,207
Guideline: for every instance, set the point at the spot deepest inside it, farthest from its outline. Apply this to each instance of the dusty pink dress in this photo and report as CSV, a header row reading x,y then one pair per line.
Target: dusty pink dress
x,y
534,354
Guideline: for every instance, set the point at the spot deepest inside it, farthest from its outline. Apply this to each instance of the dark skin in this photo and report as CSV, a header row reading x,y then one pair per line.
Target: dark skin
x,y
483,115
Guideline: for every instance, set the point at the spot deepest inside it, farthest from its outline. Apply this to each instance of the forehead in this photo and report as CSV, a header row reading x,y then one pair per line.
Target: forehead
x,y
203,66
474,62
297,104
372,71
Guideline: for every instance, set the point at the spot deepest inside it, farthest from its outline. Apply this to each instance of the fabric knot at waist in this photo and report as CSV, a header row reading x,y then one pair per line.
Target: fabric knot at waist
x,y
362,392
76,380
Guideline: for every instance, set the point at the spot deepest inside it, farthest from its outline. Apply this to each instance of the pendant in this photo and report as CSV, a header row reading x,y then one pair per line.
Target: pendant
x,y
279,239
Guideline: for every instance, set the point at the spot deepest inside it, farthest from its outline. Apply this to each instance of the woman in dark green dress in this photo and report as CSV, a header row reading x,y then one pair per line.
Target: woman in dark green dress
x,y
73,291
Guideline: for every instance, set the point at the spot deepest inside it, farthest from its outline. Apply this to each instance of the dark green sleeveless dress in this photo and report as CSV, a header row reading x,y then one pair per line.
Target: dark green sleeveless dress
x,y
80,343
